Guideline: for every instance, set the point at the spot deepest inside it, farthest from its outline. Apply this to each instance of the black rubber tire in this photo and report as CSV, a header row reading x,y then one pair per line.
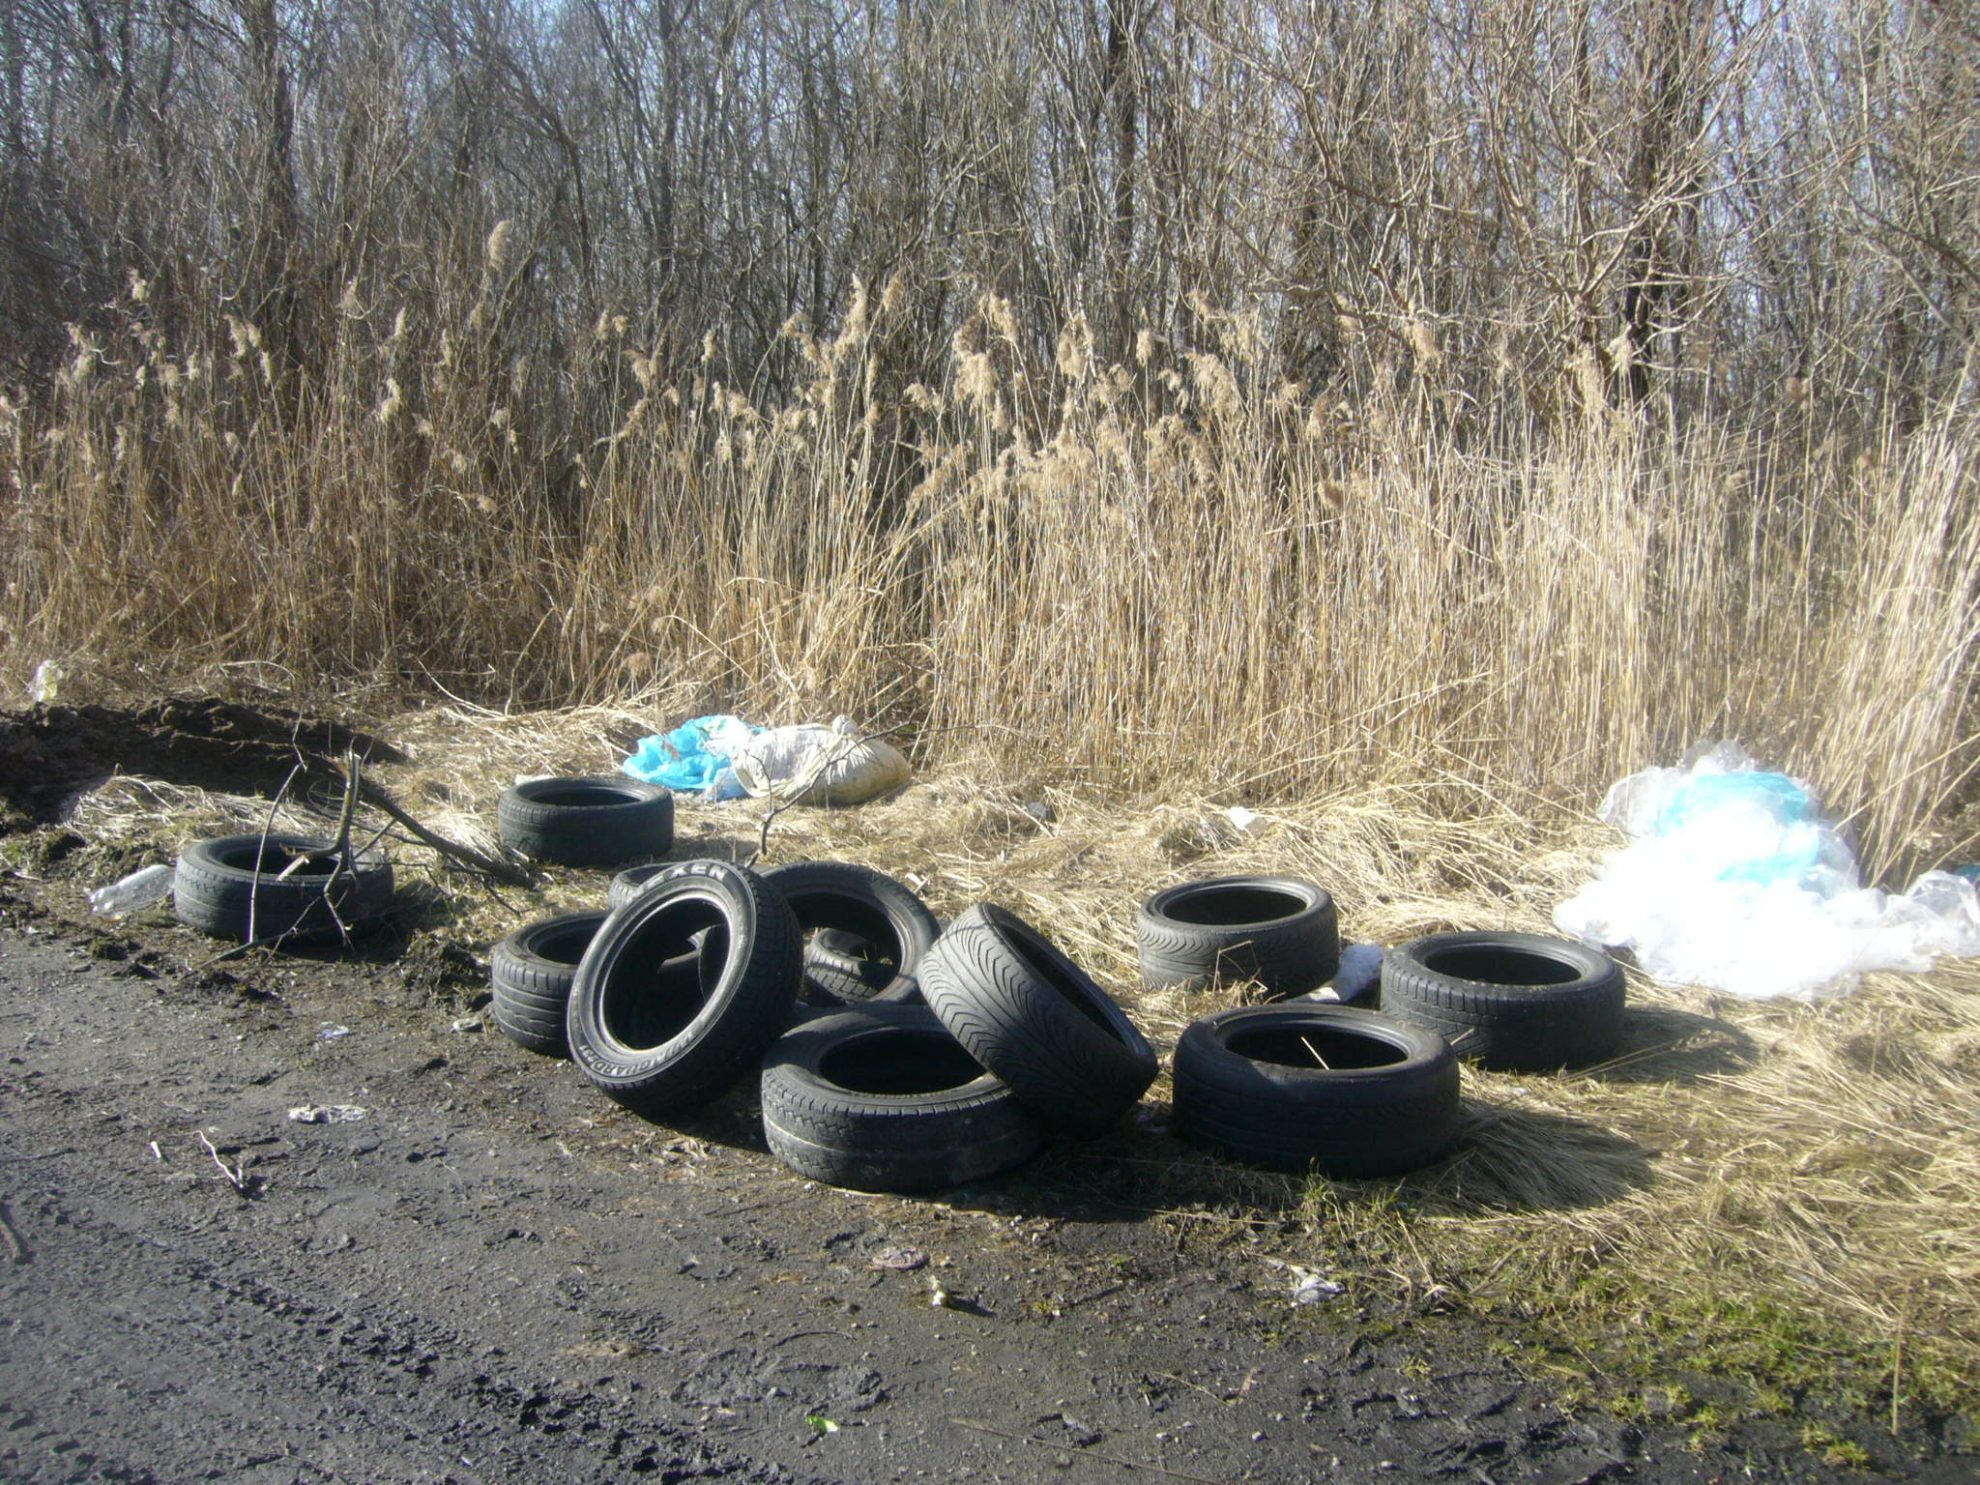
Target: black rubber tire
x,y
628,883
664,1032
531,973
1385,1103
1279,931
1036,1020
865,932
921,1114
215,885
1516,1002
588,821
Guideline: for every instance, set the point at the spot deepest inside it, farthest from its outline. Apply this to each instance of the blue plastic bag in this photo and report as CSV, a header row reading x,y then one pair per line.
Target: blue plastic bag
x,y
693,758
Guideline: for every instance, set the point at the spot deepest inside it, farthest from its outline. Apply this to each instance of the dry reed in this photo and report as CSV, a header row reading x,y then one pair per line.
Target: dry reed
x,y
1176,576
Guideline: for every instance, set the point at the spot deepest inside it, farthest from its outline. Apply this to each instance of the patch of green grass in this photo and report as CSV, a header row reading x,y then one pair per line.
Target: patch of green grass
x,y
1834,1450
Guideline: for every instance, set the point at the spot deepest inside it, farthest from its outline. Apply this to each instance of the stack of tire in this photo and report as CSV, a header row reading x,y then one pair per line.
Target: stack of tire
x,y
896,1055
892,1055
1302,1085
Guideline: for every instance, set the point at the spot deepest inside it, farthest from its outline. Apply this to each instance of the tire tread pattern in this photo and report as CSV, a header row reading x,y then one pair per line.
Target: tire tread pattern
x,y
1074,1076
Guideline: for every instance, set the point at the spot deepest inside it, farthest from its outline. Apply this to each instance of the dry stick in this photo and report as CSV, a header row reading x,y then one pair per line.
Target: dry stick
x,y
235,1178
1120,1459
1316,1053
235,951
501,871
16,1249
1897,1361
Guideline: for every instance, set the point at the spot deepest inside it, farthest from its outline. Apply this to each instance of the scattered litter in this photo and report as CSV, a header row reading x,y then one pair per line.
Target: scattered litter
x,y
326,1113
815,764
467,1023
898,1260
820,1424
331,1031
1243,818
1734,881
47,683
694,758
1361,969
1310,1288
1083,1437
143,888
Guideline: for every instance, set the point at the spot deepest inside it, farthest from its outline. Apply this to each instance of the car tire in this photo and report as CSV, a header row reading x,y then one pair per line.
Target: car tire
x,y
1279,931
230,884
1037,1020
865,932
882,1098
663,1028
587,821
1515,1002
531,972
1311,1087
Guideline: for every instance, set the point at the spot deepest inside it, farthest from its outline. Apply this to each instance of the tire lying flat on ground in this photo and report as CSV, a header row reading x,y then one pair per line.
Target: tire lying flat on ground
x,y
663,1028
1280,931
865,933
587,821
1036,1020
233,883
1302,1087
1519,1002
531,972
882,1098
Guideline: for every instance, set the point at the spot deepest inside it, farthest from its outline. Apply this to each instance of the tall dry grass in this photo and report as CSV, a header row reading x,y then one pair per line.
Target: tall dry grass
x,y
1180,571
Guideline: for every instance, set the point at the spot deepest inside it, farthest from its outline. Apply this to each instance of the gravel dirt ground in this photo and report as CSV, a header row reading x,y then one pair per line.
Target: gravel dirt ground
x,y
496,1275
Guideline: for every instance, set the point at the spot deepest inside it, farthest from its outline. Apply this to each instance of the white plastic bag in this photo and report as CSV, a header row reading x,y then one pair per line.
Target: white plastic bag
x,y
815,764
1734,881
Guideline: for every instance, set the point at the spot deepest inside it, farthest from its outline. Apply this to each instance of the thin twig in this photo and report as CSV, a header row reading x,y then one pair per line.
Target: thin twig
x,y
1120,1459
236,1177
375,795
17,1252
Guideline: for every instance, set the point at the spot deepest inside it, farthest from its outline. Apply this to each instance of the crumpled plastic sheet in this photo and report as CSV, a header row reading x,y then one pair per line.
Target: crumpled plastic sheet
x,y
694,758
1734,881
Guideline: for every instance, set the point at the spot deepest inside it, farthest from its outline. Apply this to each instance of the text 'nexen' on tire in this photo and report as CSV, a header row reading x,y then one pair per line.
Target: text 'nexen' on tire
x,y
1279,931
587,821
1341,1091
1520,1002
1036,1020
663,1028
882,1098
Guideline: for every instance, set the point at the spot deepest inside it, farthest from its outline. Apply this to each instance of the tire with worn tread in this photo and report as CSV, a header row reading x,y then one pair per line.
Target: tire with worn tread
x,y
865,932
220,884
1037,1020
1334,1089
882,1098
1517,1002
1279,931
531,972
661,1039
587,821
